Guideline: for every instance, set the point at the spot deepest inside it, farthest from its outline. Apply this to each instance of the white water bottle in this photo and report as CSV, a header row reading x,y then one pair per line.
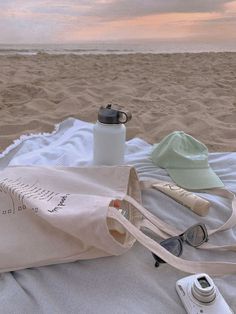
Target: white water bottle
x,y
109,136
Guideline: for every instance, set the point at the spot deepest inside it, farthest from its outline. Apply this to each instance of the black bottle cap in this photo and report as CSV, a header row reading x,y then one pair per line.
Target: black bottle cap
x,y
110,115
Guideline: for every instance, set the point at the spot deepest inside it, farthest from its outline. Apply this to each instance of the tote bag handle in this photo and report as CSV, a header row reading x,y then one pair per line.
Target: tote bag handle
x,y
165,230
210,267
230,223
205,246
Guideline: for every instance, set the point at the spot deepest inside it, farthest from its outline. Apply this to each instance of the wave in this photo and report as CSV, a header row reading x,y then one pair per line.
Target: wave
x,y
123,47
35,51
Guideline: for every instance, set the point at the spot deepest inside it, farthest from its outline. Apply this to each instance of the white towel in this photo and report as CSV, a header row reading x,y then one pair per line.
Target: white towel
x,y
111,284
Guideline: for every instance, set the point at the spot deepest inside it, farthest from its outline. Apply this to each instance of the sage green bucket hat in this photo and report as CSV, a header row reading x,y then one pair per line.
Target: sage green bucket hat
x,y
186,161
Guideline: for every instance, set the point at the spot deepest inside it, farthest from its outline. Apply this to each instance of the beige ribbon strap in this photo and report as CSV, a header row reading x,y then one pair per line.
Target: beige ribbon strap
x,y
205,246
165,230
230,223
210,267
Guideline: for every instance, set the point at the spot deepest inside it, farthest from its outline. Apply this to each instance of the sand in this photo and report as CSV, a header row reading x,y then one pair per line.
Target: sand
x,y
195,93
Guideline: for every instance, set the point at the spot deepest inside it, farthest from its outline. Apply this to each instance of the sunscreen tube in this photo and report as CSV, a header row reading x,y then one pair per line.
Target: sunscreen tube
x,y
194,202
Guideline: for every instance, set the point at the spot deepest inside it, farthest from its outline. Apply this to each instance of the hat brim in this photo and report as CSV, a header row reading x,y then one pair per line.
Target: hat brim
x,y
195,179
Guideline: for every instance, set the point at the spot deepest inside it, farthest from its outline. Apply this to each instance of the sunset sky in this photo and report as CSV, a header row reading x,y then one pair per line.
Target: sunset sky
x,y
71,21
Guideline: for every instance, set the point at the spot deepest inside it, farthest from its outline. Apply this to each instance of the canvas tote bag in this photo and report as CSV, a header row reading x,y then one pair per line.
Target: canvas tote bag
x,y
51,215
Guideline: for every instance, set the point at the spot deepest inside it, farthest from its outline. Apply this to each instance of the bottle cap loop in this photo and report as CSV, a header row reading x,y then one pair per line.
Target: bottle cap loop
x,y
124,116
109,115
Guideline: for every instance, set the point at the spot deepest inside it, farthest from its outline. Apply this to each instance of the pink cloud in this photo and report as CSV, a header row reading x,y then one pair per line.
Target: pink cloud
x,y
72,21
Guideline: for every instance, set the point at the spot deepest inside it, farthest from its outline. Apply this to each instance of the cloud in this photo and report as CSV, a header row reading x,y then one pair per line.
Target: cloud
x,y
119,9
73,20
165,26
20,24
215,30
113,9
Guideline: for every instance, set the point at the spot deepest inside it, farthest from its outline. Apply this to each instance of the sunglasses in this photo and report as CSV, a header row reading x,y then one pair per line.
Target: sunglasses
x,y
194,236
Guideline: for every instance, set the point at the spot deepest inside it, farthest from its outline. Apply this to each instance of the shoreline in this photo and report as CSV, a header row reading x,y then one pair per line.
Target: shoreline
x,y
193,92
40,53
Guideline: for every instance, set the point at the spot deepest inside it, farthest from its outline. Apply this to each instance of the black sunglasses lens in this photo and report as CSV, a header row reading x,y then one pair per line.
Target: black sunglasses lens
x,y
173,245
196,236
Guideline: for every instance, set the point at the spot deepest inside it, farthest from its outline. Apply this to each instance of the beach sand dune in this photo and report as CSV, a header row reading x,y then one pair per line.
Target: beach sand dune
x,y
195,93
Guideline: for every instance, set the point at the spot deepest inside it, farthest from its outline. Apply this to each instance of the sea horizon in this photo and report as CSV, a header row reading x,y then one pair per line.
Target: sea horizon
x,y
117,47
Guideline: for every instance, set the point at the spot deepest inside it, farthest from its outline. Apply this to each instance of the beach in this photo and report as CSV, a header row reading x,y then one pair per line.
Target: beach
x,y
193,92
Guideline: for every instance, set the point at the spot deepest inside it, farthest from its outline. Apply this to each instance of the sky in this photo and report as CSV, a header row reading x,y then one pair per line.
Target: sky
x,y
72,21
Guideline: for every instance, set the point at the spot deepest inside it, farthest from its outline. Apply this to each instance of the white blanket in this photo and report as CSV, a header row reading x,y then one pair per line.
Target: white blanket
x,y
123,284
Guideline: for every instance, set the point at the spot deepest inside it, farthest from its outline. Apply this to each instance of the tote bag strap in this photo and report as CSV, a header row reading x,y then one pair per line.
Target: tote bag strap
x,y
205,246
210,267
230,223
165,230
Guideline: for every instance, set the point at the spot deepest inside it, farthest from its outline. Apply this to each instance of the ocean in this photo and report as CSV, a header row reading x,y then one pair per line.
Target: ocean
x,y
118,47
